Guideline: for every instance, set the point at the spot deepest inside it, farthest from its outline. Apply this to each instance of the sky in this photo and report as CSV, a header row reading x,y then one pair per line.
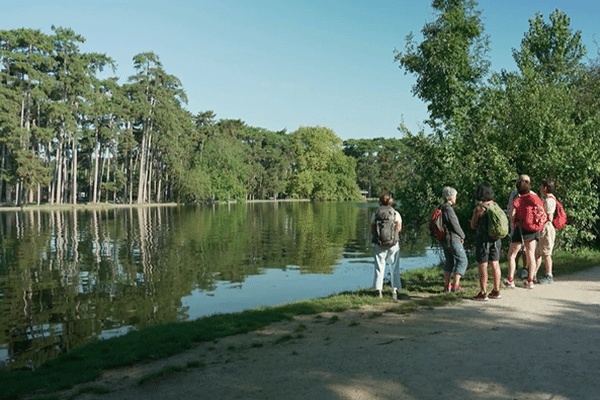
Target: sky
x,y
285,64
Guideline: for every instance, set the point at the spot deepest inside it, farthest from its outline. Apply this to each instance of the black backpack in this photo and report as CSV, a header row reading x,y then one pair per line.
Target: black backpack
x,y
386,233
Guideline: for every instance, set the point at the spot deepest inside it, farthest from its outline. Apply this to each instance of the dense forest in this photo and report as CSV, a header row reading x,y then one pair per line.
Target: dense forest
x,y
67,135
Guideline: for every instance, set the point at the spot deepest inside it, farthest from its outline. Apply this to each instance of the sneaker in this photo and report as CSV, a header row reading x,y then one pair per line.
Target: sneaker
x,y
528,284
546,279
447,289
495,294
481,296
456,288
508,283
395,294
524,274
378,293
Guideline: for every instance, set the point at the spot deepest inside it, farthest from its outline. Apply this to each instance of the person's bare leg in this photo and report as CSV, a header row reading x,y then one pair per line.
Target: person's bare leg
x,y
456,280
496,274
483,276
447,277
538,264
548,263
513,250
529,253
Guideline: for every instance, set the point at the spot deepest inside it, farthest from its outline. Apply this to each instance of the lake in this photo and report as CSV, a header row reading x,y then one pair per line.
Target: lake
x,y
69,277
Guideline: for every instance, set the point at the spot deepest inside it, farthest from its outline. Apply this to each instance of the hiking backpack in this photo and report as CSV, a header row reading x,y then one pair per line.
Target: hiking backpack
x,y
386,233
560,217
497,221
436,225
530,212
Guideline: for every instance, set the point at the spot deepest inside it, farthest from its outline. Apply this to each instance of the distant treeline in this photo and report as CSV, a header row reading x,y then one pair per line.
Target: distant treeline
x,y
67,136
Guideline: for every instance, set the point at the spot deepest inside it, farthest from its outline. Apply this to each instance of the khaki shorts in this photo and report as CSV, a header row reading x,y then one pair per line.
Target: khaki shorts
x,y
546,243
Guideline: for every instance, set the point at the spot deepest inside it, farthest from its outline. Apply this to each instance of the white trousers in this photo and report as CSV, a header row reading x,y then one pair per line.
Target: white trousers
x,y
383,256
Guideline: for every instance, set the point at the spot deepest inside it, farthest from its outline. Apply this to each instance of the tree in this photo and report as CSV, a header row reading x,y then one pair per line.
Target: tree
x,y
364,151
269,158
223,159
550,51
155,96
450,63
320,165
544,130
26,56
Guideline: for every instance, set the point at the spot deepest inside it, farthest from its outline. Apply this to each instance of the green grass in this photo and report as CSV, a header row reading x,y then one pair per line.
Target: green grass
x,y
84,364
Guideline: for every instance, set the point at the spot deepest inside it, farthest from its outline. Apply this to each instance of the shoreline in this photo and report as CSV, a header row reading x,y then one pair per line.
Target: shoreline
x,y
453,351
85,206
106,206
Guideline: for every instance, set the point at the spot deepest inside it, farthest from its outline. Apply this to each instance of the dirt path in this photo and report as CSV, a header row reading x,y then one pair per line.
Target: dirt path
x,y
531,344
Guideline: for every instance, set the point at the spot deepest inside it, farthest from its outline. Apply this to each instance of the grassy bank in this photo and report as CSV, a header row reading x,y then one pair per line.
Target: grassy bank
x,y
421,290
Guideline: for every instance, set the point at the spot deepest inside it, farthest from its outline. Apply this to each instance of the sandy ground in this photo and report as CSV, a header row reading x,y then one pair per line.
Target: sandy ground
x,y
531,344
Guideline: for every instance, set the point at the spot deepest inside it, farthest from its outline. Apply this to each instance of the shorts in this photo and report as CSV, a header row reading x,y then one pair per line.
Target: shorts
x,y
487,251
455,256
546,243
522,235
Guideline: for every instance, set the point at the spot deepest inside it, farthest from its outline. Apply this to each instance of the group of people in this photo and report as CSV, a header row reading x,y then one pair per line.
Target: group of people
x,y
536,247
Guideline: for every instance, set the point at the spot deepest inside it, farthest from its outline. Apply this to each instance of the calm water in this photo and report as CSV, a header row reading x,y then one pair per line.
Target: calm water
x,y
68,277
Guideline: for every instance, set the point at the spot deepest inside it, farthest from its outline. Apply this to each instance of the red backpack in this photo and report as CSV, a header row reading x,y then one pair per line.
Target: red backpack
x,y
560,217
530,212
436,226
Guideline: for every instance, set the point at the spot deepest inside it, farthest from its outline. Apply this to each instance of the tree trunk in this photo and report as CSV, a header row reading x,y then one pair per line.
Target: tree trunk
x,y
97,151
142,174
57,187
74,162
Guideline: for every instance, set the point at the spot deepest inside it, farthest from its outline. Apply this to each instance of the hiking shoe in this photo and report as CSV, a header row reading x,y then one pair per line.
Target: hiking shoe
x,y
524,274
546,279
456,288
495,294
508,284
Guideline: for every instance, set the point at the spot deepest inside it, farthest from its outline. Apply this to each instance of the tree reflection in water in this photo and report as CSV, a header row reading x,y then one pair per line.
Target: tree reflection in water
x,y
68,277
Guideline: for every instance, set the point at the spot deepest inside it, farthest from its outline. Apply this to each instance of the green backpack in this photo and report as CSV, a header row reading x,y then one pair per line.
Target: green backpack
x,y
497,221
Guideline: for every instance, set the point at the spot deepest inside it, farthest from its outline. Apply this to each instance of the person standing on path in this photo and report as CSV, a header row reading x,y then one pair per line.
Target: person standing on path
x,y
386,225
548,234
509,207
487,250
522,212
455,264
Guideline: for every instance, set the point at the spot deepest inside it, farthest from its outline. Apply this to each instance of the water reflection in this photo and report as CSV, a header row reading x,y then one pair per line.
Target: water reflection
x,y
68,277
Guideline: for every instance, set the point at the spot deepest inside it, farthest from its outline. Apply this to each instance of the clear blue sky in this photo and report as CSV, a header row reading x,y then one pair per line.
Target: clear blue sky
x,y
282,64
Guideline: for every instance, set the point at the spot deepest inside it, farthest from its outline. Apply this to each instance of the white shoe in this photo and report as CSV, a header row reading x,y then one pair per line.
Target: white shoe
x,y
508,284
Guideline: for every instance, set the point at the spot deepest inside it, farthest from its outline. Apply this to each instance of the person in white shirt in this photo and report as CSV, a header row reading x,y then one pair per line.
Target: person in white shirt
x,y
382,253
548,235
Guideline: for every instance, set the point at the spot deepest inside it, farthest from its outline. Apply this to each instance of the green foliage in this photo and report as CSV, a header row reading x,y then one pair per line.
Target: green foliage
x,y
539,121
450,62
322,171
550,51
